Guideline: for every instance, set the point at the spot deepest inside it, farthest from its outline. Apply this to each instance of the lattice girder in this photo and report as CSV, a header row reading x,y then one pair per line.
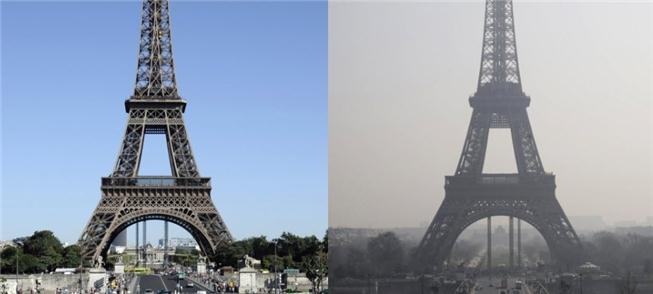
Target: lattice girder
x,y
472,195
458,212
155,74
526,154
499,69
130,151
155,108
191,209
503,115
181,152
156,120
473,154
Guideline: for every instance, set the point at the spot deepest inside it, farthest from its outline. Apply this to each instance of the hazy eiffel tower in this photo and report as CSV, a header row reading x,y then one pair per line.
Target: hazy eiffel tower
x,y
155,108
471,195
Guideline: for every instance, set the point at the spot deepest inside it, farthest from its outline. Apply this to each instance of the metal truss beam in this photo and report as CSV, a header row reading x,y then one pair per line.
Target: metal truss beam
x,y
499,63
466,204
472,195
127,198
155,74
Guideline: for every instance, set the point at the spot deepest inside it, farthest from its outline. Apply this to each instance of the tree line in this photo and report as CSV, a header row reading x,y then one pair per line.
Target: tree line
x,y
291,251
381,256
621,254
385,255
41,252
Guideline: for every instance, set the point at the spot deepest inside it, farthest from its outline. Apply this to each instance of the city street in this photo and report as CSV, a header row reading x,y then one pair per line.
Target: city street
x,y
159,282
483,286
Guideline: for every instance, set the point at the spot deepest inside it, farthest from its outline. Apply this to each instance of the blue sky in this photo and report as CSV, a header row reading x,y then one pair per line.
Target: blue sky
x,y
255,77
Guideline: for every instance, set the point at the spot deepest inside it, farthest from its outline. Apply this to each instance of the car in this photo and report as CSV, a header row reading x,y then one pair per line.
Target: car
x,y
200,292
190,285
149,291
163,292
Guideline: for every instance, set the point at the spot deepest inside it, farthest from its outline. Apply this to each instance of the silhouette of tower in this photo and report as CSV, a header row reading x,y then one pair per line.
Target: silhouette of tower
x,y
470,194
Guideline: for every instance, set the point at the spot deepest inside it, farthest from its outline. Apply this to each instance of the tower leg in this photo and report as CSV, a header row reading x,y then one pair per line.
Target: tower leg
x,y
145,243
511,242
489,245
518,243
138,251
165,243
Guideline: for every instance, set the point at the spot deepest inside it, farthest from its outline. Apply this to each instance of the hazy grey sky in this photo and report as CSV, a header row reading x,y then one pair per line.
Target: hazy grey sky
x,y
400,74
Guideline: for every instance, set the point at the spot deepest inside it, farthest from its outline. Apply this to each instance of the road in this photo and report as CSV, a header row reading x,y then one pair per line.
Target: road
x,y
484,287
159,282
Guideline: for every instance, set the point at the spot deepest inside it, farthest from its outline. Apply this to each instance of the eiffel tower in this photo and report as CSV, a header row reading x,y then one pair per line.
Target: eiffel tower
x,y
184,198
470,194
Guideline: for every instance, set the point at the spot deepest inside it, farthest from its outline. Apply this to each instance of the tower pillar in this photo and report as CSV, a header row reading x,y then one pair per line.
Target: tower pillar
x,y
138,251
165,243
511,242
145,243
519,243
489,245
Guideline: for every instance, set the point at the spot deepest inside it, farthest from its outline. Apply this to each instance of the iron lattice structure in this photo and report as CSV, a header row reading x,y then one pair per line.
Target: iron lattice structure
x,y
184,198
470,194
155,75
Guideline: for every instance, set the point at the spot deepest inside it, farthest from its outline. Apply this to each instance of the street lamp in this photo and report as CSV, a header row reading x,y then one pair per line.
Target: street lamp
x,y
276,275
317,287
16,270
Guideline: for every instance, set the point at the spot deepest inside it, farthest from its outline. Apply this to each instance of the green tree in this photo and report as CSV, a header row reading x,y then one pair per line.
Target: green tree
x,y
46,248
260,247
316,269
609,251
234,252
270,261
386,253
297,247
290,249
628,284
31,264
325,242
185,259
187,251
13,257
8,258
357,264
71,256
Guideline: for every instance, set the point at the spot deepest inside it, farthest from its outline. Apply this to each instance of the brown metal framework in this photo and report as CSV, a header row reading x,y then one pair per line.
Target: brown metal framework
x,y
471,195
155,108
